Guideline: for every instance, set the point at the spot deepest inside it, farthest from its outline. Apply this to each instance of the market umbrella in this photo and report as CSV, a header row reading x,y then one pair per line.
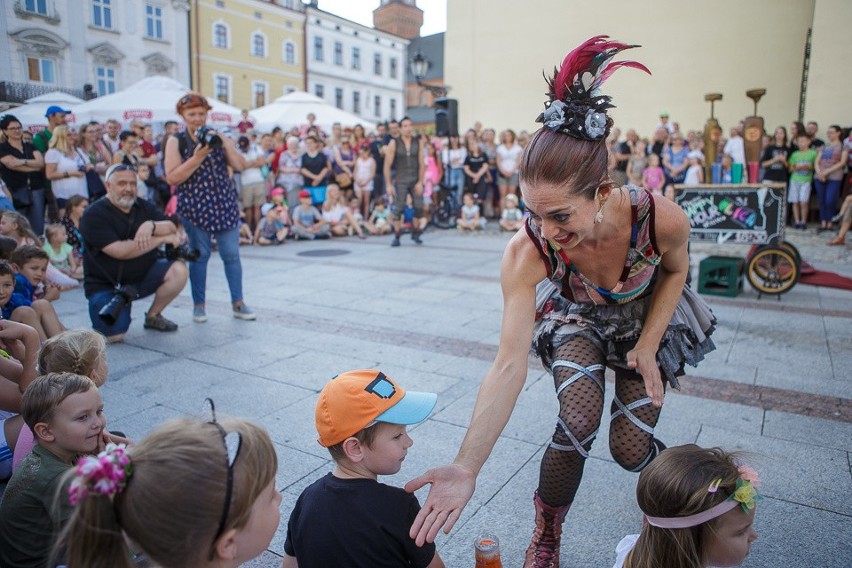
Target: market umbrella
x,y
32,116
293,108
152,99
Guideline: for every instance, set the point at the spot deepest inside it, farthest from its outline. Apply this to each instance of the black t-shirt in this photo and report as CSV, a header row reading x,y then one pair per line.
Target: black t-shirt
x,y
314,165
657,148
14,179
476,163
356,523
622,148
103,224
778,170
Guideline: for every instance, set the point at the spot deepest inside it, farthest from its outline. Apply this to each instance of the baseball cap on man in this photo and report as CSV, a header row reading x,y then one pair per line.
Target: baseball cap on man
x,y
354,400
53,109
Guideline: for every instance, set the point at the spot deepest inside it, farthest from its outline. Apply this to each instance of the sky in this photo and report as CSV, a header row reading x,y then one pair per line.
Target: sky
x,y
361,11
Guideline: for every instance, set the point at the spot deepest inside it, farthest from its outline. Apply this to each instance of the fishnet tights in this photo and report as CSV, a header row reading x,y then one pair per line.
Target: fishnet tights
x,y
580,408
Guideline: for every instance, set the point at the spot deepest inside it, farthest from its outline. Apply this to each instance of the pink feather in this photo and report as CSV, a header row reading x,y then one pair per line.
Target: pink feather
x,y
582,59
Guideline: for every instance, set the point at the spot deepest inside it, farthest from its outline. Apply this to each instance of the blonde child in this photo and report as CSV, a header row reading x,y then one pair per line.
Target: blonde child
x,y
361,418
191,494
470,219
699,506
695,171
653,177
60,252
512,218
337,215
355,211
79,351
65,413
365,175
15,225
379,223
637,163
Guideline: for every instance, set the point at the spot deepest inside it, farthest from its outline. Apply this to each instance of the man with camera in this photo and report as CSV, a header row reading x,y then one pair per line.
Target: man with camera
x,y
121,261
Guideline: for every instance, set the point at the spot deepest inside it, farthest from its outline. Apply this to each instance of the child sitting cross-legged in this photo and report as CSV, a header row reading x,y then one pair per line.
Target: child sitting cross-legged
x,y
65,413
274,226
61,254
18,300
470,219
307,220
378,223
512,218
348,518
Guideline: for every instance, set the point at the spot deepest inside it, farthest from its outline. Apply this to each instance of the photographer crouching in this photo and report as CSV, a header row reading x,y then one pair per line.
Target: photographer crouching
x,y
121,236
197,161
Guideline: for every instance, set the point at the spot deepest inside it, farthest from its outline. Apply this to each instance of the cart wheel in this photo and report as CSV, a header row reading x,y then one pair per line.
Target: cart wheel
x,y
791,248
772,270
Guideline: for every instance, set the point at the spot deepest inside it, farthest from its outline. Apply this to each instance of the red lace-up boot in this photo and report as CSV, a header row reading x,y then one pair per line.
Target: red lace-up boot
x,y
543,551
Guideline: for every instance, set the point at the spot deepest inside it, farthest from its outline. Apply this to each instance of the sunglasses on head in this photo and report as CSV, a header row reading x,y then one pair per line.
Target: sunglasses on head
x,y
232,442
123,168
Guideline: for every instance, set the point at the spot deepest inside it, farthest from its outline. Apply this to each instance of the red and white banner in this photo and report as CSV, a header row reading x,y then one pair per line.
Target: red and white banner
x,y
138,113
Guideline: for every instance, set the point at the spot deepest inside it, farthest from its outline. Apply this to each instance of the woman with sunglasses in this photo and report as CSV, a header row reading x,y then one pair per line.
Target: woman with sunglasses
x,y
207,201
21,167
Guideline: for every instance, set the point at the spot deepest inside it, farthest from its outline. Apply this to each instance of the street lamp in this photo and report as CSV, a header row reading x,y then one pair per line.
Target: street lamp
x,y
419,67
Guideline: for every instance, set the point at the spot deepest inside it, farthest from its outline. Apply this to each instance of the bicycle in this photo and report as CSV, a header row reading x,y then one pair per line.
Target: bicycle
x,y
445,207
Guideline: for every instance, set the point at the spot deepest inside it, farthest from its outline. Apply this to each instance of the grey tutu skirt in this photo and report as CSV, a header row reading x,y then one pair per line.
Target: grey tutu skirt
x,y
615,329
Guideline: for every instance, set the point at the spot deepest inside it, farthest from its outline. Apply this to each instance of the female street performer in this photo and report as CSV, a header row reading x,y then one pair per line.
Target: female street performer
x,y
596,280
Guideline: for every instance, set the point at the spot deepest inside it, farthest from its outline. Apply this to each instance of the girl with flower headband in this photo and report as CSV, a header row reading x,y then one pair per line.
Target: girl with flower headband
x,y
189,495
596,279
699,506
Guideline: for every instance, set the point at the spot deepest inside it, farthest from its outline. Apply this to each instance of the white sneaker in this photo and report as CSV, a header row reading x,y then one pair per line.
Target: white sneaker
x,y
243,312
199,314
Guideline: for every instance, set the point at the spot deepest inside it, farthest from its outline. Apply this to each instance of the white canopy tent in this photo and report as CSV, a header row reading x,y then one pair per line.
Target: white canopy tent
x,y
153,100
292,110
31,114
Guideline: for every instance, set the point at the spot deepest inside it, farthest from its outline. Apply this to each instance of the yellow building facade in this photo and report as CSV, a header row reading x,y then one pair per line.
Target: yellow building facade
x,y
496,51
247,52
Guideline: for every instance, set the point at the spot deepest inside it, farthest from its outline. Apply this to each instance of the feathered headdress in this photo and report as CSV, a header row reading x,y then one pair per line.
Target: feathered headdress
x,y
576,106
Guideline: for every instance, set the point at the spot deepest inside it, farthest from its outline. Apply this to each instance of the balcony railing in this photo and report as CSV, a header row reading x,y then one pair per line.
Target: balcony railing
x,y
50,14
11,92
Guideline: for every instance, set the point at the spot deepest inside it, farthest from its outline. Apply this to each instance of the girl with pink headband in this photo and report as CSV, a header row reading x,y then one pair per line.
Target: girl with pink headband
x,y
699,506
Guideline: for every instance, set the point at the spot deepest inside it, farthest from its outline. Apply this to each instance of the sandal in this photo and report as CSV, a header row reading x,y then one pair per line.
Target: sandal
x,y
159,323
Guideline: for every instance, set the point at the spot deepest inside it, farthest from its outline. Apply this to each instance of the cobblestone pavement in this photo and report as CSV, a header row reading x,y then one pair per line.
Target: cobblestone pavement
x,y
779,385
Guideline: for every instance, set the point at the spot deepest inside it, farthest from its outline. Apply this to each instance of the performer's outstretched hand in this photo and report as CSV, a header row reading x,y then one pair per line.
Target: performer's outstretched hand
x,y
452,488
644,361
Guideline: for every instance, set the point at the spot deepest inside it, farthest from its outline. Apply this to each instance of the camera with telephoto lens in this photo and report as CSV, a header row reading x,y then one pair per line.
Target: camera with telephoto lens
x,y
182,252
208,137
122,296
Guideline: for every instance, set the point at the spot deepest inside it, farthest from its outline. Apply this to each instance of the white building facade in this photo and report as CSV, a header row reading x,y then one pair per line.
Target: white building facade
x,y
107,44
356,68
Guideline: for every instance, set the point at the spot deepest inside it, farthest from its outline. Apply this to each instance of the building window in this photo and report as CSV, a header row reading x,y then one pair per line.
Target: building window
x,y
338,98
221,36
338,53
222,87
36,7
356,102
377,105
258,45
105,79
377,64
319,91
41,70
289,53
318,55
258,93
153,22
393,67
356,58
393,108
288,4
102,14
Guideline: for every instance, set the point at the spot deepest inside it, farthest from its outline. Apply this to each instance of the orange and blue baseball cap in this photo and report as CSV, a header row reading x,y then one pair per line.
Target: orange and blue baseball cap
x,y
355,400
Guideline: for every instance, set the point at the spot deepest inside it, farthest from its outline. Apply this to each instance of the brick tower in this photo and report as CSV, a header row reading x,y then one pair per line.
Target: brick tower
x,y
399,17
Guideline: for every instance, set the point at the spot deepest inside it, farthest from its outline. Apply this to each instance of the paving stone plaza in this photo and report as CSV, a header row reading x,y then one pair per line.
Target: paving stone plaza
x,y
779,386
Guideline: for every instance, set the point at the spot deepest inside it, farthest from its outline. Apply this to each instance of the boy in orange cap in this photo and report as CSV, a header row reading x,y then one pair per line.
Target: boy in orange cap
x,y
348,518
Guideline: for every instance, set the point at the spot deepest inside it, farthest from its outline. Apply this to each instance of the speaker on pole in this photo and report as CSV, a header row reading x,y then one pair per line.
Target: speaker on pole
x,y
446,117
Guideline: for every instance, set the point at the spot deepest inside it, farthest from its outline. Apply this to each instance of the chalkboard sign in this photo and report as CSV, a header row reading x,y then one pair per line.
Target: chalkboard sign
x,y
739,213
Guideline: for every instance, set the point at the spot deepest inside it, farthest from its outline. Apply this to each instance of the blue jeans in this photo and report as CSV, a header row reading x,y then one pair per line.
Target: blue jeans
x,y
152,280
455,179
228,242
34,212
828,192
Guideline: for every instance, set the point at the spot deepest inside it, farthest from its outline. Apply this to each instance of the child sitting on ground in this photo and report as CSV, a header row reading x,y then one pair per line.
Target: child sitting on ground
x,y
355,211
274,226
15,225
191,494
361,417
79,351
653,177
60,253
512,218
307,220
378,223
469,219
699,506
65,413
21,306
